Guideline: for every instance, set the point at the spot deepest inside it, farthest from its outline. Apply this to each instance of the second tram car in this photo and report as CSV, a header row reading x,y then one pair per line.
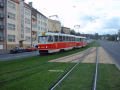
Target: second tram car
x,y
55,42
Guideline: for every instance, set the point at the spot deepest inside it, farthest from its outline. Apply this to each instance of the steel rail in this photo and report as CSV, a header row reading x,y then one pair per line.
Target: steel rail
x,y
96,71
69,71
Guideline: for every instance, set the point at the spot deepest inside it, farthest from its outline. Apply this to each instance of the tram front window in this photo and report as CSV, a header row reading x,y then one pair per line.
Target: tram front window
x,y
45,39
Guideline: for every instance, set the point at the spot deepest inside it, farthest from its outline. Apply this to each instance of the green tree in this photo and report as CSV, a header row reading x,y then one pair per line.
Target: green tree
x,y
78,34
72,32
96,36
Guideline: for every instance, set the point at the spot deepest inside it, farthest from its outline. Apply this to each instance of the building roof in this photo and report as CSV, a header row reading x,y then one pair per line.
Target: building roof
x,y
27,6
36,11
65,27
16,1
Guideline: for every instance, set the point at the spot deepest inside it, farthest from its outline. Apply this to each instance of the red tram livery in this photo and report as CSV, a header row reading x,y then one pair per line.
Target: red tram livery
x,y
55,42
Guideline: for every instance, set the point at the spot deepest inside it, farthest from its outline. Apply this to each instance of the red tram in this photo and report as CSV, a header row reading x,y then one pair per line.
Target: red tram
x,y
55,42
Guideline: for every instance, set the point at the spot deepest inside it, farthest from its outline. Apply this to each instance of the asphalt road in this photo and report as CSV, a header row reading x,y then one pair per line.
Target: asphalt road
x,y
113,49
7,57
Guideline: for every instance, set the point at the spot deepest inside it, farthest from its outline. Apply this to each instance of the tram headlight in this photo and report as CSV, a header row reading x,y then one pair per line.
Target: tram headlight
x,y
46,46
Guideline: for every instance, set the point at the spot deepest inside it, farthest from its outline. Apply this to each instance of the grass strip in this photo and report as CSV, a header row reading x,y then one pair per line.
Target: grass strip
x,y
19,64
108,77
80,79
40,80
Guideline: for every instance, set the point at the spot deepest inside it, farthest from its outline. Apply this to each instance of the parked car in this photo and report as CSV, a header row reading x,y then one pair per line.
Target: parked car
x,y
17,50
31,49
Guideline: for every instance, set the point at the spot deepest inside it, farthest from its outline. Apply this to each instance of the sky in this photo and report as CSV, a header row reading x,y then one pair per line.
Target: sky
x,y
85,16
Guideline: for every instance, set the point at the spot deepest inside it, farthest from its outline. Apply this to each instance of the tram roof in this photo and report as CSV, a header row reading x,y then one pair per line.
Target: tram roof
x,y
60,34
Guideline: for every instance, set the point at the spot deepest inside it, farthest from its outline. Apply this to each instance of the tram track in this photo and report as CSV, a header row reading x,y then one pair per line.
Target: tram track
x,y
39,71
66,75
96,71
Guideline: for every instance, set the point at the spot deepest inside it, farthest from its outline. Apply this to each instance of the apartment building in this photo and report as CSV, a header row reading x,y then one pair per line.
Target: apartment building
x,y
27,26
34,26
65,30
39,24
15,24
2,24
20,24
12,24
42,22
54,26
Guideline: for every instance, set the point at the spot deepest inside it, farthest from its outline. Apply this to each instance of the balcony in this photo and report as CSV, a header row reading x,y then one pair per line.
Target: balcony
x,y
1,4
1,27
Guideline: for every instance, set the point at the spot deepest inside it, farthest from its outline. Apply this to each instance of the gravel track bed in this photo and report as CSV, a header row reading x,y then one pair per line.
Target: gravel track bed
x,y
91,58
104,57
71,58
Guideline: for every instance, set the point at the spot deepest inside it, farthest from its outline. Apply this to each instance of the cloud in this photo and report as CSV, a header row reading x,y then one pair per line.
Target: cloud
x,y
113,23
92,15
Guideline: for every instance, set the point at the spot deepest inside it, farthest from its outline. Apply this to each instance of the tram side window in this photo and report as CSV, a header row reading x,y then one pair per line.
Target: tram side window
x,y
60,38
70,38
80,39
76,39
50,39
84,39
64,38
56,38
67,39
73,38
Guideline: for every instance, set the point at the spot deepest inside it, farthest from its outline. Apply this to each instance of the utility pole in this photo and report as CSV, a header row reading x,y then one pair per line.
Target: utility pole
x,y
77,27
54,17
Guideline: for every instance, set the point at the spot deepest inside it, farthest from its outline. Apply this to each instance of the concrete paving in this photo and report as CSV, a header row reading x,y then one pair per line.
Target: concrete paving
x,y
113,49
8,57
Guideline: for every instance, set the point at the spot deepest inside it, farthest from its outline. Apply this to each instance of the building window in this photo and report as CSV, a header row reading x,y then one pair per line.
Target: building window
x,y
11,5
38,22
22,35
11,38
27,30
27,21
27,12
11,26
11,15
27,39
38,28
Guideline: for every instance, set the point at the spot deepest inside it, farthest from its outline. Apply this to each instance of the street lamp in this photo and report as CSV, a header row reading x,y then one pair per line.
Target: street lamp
x,y
77,27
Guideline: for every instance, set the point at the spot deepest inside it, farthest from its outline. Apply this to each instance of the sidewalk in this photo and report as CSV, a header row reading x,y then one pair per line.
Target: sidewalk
x,y
3,52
